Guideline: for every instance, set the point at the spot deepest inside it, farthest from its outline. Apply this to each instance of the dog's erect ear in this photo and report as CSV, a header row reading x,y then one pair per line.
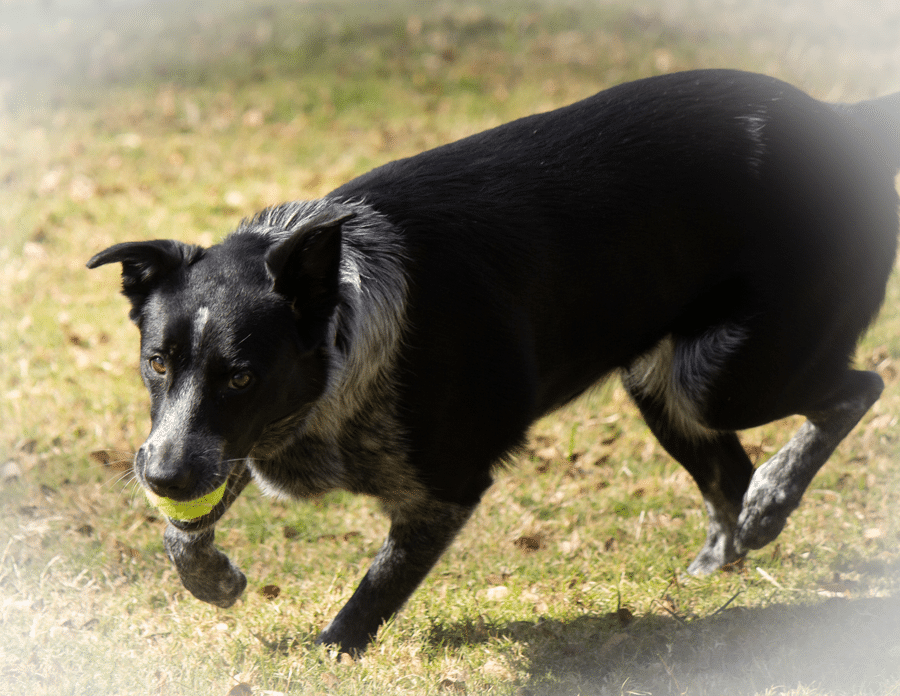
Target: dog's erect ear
x,y
305,269
144,265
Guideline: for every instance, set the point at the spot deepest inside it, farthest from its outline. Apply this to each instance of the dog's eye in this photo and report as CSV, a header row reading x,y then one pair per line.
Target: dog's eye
x,y
157,364
240,380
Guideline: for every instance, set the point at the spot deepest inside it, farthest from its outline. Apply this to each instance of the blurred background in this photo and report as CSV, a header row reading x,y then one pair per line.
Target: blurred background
x,y
50,43
138,119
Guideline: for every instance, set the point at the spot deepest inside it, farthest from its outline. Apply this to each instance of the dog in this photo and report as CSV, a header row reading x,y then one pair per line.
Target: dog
x,y
718,238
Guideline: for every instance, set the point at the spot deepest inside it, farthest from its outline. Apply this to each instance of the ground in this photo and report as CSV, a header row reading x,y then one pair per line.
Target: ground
x,y
128,120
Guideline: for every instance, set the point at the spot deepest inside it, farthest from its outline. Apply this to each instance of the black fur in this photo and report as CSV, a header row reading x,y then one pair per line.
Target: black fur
x,y
720,238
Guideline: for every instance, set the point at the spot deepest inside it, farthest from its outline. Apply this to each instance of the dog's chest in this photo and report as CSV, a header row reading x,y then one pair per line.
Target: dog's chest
x,y
364,454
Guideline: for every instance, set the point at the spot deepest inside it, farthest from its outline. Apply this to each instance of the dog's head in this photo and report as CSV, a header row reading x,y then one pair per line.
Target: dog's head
x,y
232,341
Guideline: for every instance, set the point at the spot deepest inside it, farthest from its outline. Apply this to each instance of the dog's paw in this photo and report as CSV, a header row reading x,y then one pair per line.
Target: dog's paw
x,y
763,517
346,636
709,560
718,551
220,585
205,572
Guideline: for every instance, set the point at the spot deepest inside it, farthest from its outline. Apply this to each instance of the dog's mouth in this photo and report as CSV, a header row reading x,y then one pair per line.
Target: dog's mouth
x,y
199,524
183,518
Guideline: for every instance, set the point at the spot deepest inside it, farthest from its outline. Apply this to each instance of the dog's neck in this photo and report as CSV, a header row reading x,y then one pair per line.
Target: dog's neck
x,y
362,341
367,325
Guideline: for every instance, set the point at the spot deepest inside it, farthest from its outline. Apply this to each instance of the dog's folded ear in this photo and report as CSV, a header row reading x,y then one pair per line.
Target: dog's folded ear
x,y
144,265
305,270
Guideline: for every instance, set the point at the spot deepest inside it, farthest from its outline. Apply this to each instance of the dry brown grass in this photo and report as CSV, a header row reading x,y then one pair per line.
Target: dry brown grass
x,y
569,580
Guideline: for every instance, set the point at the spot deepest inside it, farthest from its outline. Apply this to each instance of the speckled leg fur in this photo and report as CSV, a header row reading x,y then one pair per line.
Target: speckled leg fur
x,y
778,485
205,571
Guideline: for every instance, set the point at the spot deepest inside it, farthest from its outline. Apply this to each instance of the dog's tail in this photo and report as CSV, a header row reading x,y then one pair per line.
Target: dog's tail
x,y
878,119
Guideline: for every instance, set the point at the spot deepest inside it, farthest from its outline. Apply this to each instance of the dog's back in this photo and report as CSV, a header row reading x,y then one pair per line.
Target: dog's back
x,y
565,245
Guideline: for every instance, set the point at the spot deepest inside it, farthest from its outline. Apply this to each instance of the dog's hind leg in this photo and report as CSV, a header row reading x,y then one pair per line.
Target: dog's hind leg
x,y
719,465
722,470
778,485
668,384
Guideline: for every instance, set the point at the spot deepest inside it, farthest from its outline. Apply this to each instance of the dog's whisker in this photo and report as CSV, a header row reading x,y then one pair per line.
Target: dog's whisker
x,y
122,478
118,476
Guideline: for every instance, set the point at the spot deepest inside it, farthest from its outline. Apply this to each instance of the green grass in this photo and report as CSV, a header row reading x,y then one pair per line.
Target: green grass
x,y
570,578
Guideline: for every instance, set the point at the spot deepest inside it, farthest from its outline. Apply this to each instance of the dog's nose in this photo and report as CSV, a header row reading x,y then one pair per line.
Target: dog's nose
x,y
165,474
177,485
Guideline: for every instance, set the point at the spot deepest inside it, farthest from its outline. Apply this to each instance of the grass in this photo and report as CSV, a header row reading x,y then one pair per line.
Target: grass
x,y
569,580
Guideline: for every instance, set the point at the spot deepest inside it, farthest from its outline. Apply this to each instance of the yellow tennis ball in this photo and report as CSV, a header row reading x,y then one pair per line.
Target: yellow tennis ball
x,y
186,510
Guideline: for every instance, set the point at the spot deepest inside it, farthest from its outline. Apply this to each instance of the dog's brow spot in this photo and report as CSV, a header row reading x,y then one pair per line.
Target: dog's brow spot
x,y
200,320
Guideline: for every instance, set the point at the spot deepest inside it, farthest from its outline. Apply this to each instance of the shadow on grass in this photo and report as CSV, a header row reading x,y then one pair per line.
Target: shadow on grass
x,y
838,646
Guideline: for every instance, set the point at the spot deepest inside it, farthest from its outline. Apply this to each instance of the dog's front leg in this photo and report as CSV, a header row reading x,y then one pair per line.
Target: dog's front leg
x,y
414,544
205,571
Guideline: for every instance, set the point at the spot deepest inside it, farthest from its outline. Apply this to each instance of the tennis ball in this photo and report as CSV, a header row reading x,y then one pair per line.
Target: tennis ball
x,y
186,510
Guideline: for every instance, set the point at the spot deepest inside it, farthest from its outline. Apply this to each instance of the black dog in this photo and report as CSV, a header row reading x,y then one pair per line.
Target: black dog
x,y
720,238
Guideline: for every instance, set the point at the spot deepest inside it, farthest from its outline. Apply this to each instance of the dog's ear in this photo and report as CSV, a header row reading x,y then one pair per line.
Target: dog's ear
x,y
144,265
305,269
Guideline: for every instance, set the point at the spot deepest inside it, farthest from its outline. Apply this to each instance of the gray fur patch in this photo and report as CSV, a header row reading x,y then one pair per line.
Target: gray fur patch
x,y
755,125
778,485
354,419
679,372
205,571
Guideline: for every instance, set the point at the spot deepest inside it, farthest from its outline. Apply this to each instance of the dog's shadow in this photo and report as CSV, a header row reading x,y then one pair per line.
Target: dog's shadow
x,y
835,646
